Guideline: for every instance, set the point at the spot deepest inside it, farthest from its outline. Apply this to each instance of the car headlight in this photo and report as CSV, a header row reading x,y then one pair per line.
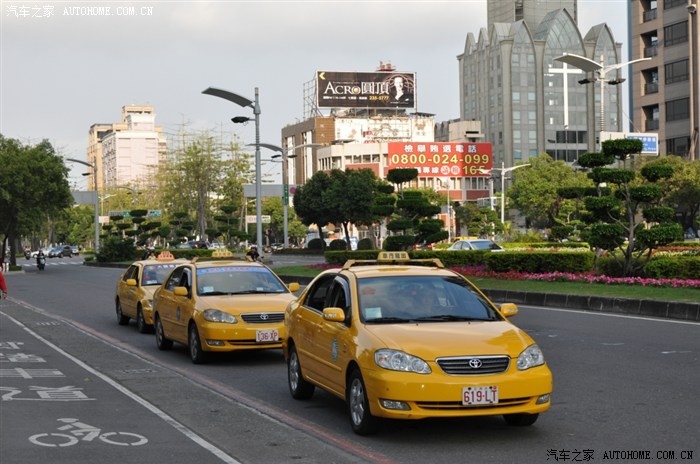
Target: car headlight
x,y
395,360
216,315
530,357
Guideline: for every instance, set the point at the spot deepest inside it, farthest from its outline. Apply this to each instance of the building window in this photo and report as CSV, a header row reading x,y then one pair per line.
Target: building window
x,y
677,110
674,3
678,146
676,33
677,71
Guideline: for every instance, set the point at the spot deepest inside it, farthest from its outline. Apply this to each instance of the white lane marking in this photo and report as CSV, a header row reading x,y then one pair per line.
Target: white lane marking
x,y
626,316
158,412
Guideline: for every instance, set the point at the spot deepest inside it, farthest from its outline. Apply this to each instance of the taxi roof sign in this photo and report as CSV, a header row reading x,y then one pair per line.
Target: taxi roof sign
x,y
165,255
392,257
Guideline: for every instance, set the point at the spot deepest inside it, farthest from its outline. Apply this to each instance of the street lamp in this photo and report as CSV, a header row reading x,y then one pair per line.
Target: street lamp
x,y
285,178
97,200
446,183
503,170
255,104
588,65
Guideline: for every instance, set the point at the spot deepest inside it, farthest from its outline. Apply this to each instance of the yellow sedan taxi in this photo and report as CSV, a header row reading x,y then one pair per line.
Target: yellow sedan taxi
x,y
221,305
409,339
134,294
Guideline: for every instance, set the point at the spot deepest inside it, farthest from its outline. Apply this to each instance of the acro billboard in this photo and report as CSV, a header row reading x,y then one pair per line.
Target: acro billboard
x,y
365,89
438,159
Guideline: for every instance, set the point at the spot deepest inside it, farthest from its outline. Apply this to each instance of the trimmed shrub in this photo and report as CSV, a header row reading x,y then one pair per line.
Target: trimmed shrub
x,y
673,267
539,262
316,244
365,244
338,244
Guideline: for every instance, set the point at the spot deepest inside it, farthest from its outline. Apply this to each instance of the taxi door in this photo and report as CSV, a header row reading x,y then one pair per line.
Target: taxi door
x,y
127,294
166,303
184,307
334,339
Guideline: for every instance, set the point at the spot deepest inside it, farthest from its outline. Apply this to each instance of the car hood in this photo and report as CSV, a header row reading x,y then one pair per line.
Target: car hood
x,y
437,339
239,304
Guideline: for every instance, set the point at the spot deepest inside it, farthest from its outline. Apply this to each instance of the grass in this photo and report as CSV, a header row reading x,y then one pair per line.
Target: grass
x,y
569,288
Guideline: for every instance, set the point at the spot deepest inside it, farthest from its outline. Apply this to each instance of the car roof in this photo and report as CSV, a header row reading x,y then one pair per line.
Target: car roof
x,y
395,263
203,264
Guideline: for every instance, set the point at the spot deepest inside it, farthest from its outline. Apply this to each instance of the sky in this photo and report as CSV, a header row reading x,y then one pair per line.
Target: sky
x,y
62,72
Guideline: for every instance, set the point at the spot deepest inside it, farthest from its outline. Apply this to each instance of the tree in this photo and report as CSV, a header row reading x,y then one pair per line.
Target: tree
x,y
34,188
682,189
535,191
625,214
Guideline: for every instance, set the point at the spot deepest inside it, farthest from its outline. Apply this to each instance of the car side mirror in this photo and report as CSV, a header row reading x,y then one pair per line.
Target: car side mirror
x,y
509,309
180,291
334,314
131,282
293,286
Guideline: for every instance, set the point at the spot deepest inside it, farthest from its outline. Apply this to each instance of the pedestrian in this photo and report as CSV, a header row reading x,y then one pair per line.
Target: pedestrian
x,y
253,254
3,286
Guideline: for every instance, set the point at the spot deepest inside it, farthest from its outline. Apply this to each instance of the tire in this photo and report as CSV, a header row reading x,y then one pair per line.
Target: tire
x,y
163,343
141,322
298,387
197,355
121,318
361,419
520,420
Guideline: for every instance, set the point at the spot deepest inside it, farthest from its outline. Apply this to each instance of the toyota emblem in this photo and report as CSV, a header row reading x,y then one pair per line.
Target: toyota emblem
x,y
475,363
265,317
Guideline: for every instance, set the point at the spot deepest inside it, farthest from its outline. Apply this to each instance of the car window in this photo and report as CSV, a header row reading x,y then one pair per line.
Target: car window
x,y
316,297
155,274
174,279
339,297
232,280
400,299
129,273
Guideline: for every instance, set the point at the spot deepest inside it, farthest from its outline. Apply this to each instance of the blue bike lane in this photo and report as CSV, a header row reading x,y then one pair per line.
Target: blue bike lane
x,y
56,408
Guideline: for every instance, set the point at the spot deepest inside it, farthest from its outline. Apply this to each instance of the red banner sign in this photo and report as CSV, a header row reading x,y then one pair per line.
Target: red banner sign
x,y
442,159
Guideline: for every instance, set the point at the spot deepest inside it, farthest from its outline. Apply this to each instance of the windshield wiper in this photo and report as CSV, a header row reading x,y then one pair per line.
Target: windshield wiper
x,y
388,320
449,317
213,293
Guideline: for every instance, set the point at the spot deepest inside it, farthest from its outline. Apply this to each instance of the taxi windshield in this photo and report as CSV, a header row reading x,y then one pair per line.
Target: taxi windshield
x,y
237,280
402,299
155,274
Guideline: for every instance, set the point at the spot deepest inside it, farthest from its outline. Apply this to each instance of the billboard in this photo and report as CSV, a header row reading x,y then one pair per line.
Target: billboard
x,y
441,159
650,140
365,89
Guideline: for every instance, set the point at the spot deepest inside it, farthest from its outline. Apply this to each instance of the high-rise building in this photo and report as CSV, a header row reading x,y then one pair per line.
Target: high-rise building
x,y
527,101
127,152
665,98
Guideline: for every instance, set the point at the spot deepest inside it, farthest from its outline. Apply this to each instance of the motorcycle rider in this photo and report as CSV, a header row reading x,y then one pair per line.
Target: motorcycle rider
x,y
40,260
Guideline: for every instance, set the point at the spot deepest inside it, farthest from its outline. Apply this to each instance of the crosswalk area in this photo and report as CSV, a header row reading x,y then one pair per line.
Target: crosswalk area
x,y
31,264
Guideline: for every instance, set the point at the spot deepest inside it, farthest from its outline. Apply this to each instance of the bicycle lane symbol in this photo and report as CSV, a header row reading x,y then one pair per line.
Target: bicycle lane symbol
x,y
85,432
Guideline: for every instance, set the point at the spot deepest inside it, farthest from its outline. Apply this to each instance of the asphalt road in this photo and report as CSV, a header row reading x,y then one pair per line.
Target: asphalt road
x,y
621,385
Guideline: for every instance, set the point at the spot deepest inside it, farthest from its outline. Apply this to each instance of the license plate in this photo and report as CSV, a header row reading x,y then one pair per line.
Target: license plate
x,y
270,335
479,395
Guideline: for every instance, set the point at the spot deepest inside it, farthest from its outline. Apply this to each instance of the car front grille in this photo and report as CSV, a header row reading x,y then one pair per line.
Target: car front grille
x,y
263,318
456,405
474,365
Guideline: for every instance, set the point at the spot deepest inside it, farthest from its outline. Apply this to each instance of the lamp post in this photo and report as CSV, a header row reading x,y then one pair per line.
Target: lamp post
x,y
285,179
503,170
446,182
97,200
599,68
255,104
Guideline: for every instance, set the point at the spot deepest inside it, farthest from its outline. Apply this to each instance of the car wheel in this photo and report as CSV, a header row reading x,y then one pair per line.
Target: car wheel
x,y
197,355
121,318
162,342
298,387
361,419
520,420
141,322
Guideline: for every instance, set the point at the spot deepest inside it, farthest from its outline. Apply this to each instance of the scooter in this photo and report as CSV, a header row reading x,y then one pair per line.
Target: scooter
x,y
41,262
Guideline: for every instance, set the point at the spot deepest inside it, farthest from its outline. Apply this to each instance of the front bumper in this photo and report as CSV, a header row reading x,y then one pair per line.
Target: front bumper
x,y
440,395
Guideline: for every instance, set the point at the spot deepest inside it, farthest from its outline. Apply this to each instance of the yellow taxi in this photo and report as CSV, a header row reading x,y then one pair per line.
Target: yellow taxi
x,y
409,339
134,294
221,305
